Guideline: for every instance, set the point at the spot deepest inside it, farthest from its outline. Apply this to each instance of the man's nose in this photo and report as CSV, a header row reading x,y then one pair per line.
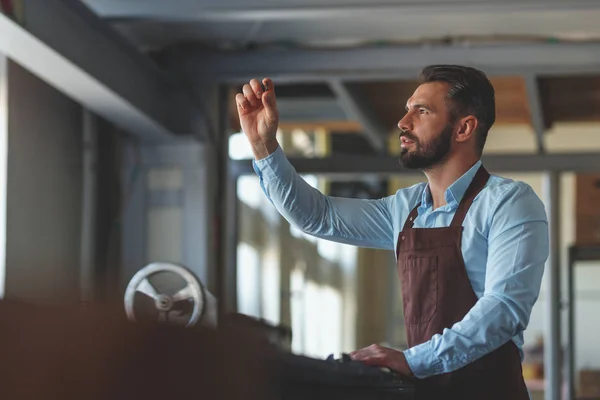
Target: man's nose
x,y
404,124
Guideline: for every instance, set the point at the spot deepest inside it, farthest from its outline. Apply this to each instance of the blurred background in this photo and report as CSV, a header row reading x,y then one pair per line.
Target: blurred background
x,y
120,146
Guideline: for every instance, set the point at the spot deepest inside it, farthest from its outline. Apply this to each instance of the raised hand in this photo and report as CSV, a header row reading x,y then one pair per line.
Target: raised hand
x,y
257,109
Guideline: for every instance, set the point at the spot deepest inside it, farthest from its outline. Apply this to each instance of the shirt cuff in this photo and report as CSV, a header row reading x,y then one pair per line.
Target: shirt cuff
x,y
422,361
274,166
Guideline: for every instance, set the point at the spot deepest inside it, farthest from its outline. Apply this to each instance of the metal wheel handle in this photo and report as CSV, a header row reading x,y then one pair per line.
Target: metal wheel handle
x,y
164,303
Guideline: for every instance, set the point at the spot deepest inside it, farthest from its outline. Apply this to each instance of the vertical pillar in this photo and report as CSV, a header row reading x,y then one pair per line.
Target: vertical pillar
x,y
135,215
536,111
3,167
286,265
195,214
226,212
394,310
571,324
287,260
88,208
230,242
552,342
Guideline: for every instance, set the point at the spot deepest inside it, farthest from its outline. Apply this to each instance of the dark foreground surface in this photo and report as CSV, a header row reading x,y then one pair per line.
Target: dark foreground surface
x,y
95,353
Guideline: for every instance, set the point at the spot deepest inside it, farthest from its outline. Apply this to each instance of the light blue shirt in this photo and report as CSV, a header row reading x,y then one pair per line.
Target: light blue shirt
x,y
505,245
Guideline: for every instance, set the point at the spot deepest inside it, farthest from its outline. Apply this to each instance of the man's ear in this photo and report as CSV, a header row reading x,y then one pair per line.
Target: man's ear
x,y
466,128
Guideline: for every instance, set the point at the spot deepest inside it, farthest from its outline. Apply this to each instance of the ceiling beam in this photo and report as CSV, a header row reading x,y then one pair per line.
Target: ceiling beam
x,y
267,10
353,166
383,62
70,48
315,110
311,109
357,108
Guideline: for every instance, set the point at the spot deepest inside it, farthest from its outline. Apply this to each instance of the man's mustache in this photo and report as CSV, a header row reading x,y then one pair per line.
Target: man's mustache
x,y
408,135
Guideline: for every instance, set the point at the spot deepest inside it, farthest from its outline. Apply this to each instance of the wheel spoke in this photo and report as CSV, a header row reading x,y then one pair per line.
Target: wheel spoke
x,y
146,287
185,293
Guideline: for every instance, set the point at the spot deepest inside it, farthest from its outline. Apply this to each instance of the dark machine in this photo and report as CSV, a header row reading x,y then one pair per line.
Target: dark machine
x,y
306,377
96,352
293,376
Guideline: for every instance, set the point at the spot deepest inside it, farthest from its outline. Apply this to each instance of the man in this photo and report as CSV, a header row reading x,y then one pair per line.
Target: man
x,y
470,247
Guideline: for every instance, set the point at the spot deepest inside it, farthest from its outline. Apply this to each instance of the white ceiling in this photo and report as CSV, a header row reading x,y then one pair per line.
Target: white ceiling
x,y
155,24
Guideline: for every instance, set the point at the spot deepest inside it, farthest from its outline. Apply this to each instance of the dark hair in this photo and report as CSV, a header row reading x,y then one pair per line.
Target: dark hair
x,y
470,93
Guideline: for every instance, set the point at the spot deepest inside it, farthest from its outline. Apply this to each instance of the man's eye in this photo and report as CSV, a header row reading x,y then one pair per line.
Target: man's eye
x,y
423,111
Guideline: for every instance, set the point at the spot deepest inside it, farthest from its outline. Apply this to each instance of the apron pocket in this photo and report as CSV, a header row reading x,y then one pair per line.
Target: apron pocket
x,y
420,288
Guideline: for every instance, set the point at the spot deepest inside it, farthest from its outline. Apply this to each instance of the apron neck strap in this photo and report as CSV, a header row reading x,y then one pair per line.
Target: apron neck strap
x,y
478,183
410,221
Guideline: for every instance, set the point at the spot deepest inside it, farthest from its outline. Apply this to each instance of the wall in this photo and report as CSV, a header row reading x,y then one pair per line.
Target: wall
x,y
171,214
167,215
44,191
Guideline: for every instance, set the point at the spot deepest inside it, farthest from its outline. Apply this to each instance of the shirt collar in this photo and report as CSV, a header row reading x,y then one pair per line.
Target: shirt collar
x,y
455,192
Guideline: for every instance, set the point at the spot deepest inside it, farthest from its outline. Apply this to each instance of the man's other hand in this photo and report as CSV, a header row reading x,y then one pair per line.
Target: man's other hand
x,y
380,356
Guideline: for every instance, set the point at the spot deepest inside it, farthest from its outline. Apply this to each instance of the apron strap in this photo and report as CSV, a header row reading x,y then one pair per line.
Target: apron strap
x,y
410,220
478,183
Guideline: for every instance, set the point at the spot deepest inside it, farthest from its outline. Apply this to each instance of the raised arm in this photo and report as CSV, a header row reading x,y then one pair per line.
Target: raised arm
x,y
366,223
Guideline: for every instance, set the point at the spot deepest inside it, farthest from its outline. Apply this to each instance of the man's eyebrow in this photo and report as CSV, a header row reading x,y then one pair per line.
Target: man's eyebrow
x,y
417,105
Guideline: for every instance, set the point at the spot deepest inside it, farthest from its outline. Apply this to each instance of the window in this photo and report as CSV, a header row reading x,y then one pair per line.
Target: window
x,y
322,320
297,308
317,317
248,280
271,297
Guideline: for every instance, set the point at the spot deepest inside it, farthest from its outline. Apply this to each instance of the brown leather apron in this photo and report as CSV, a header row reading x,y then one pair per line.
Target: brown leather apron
x,y
437,293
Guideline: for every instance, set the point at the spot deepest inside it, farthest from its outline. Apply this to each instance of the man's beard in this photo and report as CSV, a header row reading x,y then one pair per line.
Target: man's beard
x,y
430,154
